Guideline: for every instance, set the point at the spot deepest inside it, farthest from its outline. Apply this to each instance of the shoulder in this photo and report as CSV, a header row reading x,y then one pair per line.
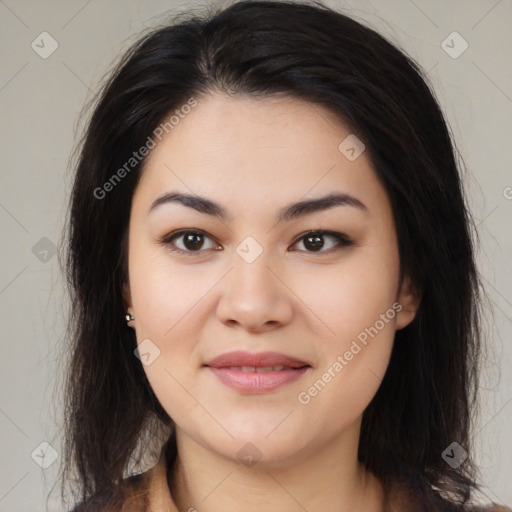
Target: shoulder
x,y
127,496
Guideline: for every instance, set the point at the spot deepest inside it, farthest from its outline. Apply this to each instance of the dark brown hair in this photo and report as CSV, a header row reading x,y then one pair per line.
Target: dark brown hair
x,y
313,53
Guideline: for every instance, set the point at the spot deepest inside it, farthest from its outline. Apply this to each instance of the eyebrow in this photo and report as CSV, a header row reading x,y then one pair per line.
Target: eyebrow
x,y
287,213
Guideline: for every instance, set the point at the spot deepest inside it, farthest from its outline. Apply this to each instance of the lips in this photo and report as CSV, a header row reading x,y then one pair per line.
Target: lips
x,y
256,373
261,362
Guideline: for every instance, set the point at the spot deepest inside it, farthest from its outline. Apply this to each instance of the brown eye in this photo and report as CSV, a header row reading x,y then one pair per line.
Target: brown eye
x,y
314,241
193,241
187,241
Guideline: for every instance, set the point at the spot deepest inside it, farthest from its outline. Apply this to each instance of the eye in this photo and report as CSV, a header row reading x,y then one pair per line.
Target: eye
x,y
193,241
314,241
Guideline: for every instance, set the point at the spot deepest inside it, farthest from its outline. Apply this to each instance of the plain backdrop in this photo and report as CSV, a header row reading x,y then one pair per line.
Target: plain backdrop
x,y
41,100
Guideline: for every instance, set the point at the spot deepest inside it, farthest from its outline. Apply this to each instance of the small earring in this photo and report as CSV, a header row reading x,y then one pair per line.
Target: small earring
x,y
129,318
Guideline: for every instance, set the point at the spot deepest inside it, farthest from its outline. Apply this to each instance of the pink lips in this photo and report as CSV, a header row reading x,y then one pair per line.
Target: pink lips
x,y
256,373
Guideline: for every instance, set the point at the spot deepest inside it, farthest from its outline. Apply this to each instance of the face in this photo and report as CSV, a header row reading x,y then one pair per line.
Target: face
x,y
318,283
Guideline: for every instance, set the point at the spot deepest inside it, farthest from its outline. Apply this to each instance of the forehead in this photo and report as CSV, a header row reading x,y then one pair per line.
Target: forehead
x,y
242,148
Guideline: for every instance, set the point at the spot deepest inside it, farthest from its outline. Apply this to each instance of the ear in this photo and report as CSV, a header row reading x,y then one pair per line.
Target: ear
x,y
409,299
127,298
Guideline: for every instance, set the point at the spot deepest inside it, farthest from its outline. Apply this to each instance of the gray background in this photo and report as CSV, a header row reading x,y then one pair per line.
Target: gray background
x,y
40,102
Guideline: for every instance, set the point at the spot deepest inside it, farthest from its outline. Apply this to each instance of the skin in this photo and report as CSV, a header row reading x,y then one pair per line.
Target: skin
x,y
253,157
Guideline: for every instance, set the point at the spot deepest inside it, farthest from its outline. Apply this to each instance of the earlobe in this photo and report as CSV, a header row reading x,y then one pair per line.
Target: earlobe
x,y
409,299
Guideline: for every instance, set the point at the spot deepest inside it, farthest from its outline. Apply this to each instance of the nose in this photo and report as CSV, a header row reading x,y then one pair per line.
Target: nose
x,y
255,296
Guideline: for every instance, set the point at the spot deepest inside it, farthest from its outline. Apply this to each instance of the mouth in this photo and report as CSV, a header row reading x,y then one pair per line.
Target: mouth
x,y
256,373
258,369
263,360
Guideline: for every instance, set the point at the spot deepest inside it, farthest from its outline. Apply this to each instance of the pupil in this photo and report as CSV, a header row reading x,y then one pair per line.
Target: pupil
x,y
318,242
191,241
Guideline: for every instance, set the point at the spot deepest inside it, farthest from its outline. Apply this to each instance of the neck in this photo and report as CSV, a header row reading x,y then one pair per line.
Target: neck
x,y
329,479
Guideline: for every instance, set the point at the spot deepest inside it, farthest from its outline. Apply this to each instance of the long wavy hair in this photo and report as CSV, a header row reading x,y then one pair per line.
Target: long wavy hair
x,y
310,52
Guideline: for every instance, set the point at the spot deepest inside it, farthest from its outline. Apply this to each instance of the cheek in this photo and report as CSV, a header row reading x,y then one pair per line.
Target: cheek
x,y
167,302
352,361
351,296
357,308
164,295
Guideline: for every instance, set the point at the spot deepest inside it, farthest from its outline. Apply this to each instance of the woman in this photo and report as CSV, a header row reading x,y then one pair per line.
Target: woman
x,y
272,274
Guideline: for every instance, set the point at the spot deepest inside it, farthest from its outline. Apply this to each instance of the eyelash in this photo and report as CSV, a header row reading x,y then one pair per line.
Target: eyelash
x,y
343,240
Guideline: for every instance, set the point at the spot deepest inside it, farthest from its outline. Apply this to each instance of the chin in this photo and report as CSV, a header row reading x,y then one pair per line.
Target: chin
x,y
255,448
